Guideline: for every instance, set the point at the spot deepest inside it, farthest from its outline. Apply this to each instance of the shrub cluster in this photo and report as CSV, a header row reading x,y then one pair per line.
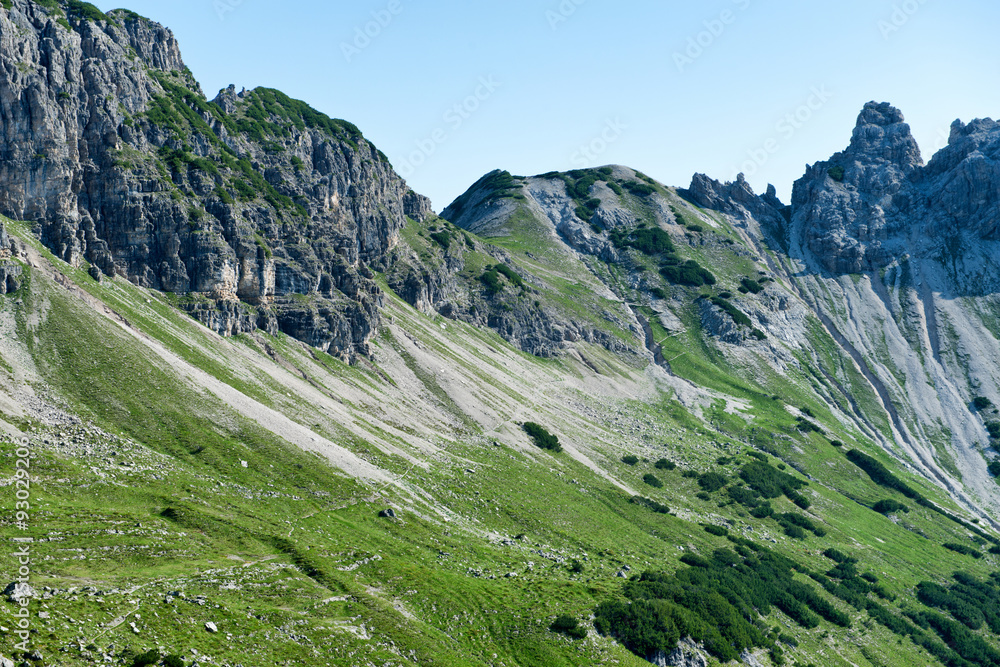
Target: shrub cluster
x,y
652,480
542,437
651,504
689,273
890,506
569,626
491,277
718,601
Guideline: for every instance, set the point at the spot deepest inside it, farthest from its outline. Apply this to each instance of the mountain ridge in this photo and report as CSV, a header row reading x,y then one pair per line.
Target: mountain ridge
x,y
278,412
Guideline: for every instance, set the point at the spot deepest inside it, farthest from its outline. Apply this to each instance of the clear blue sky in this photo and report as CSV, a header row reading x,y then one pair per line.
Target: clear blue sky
x,y
536,81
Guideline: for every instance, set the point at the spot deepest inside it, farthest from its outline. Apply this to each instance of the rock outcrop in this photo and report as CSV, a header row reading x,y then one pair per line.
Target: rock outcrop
x,y
264,209
849,211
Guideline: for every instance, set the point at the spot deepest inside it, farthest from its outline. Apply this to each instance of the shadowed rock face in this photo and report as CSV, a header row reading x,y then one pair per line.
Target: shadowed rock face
x,y
254,201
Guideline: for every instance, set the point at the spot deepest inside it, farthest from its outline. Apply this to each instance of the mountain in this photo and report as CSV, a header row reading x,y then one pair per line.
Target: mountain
x,y
269,211
260,405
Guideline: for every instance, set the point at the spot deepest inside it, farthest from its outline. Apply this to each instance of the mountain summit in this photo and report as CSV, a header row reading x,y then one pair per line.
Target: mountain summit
x,y
262,209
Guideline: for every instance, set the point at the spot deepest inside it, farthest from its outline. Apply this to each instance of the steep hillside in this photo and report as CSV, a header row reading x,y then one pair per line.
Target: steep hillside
x,y
258,405
217,500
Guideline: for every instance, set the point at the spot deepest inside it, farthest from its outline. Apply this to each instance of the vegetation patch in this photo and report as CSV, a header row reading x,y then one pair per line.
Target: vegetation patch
x,y
689,273
717,601
569,626
542,437
650,504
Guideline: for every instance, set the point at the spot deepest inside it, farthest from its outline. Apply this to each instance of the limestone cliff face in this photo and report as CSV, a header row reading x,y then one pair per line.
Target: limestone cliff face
x,y
264,209
899,262
849,210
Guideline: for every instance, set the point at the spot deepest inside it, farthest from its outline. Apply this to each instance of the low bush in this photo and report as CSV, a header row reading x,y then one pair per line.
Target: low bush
x,y
569,626
542,437
690,273
150,657
664,464
963,549
712,481
630,459
652,480
890,506
651,504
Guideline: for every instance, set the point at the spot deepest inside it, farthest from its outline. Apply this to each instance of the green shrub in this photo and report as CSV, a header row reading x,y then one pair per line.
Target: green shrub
x,y
690,273
649,241
638,189
836,443
836,173
752,286
244,190
880,474
994,467
889,506
963,549
712,481
173,661
510,275
150,657
664,464
651,504
719,531
839,556
224,196
87,11
442,238
569,626
719,601
630,459
807,426
652,480
735,313
981,403
542,437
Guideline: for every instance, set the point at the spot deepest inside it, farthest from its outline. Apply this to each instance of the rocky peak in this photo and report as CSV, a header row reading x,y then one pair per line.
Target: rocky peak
x,y
267,211
882,135
152,42
739,200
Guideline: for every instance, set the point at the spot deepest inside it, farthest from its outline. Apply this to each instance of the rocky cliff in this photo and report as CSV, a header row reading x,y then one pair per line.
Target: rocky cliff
x,y
259,209
899,261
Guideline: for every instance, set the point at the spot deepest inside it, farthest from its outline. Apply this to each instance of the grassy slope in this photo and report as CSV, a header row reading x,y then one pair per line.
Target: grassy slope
x,y
293,563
